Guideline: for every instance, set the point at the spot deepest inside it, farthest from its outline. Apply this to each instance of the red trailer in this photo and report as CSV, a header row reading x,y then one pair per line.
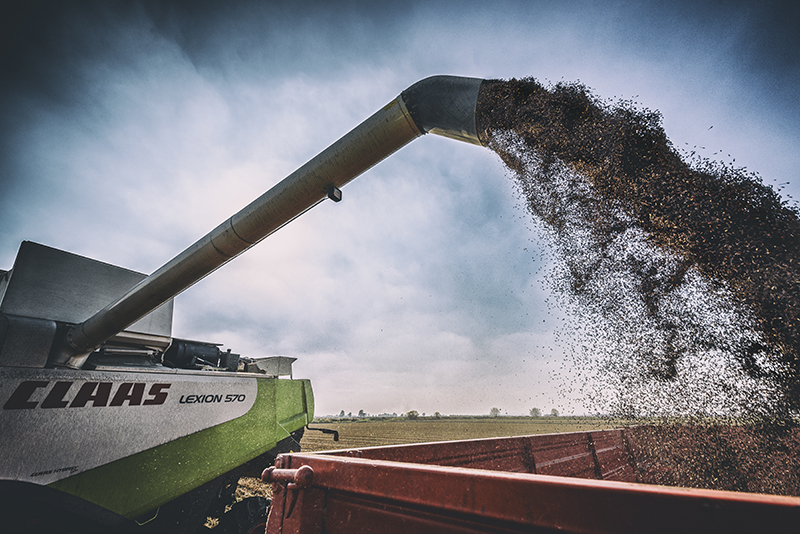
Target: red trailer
x,y
583,482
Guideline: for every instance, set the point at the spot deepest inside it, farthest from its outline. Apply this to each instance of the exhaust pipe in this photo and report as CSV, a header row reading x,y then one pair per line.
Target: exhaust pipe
x,y
442,105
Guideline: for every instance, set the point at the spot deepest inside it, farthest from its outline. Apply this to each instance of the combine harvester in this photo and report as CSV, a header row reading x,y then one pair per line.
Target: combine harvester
x,y
111,425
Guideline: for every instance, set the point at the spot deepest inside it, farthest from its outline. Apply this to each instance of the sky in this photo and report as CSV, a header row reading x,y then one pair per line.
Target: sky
x,y
128,130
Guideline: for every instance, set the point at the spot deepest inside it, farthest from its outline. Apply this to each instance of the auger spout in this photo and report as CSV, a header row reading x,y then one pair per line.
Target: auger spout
x,y
442,105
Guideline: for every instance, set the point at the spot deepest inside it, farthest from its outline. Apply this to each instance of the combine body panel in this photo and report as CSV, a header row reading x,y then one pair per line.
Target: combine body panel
x,y
144,438
147,425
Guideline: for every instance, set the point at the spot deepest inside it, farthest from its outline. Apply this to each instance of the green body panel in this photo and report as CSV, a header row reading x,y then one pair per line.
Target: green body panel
x,y
144,481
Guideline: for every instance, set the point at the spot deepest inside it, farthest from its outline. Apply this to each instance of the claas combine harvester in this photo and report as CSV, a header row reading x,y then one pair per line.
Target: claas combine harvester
x,y
109,424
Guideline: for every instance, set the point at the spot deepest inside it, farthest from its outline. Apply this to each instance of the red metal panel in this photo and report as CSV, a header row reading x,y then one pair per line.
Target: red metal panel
x,y
301,511
601,454
363,495
499,454
564,455
349,514
614,459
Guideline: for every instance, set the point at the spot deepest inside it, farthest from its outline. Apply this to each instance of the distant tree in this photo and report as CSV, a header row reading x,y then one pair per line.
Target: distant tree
x,y
362,413
554,412
341,414
536,412
412,414
349,414
437,415
494,412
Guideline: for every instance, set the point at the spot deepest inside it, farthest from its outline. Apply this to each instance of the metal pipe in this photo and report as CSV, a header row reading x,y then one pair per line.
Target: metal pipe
x,y
443,105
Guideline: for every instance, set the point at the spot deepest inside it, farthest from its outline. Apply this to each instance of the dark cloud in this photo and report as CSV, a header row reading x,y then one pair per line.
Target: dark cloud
x,y
757,40
47,44
56,56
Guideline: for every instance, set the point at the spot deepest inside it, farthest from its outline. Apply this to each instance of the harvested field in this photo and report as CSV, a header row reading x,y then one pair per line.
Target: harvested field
x,y
373,433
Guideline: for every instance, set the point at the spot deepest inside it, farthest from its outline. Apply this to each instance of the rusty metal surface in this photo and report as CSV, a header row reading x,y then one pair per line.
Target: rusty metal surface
x,y
601,454
369,490
613,455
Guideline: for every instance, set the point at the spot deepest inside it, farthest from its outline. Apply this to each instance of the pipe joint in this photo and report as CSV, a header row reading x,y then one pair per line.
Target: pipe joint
x,y
445,105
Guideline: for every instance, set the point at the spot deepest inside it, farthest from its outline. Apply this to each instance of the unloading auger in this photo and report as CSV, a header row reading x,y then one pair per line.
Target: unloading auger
x,y
443,105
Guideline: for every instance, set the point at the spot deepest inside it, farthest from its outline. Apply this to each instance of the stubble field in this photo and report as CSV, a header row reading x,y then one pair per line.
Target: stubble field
x,y
377,432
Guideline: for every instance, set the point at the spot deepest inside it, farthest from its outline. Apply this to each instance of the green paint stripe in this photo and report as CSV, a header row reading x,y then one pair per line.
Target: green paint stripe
x,y
144,481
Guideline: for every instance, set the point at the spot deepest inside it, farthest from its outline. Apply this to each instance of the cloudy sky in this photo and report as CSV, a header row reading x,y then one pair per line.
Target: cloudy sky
x,y
129,130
